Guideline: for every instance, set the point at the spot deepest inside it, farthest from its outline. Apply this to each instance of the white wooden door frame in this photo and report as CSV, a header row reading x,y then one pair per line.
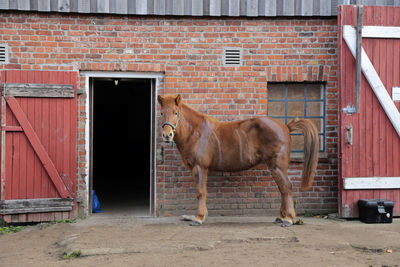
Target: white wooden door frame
x,y
115,74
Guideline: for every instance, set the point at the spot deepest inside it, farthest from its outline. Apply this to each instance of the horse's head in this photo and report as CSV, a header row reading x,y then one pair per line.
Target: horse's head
x,y
170,115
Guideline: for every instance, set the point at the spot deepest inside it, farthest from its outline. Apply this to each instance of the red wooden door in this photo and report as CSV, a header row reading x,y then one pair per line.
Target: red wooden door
x,y
369,160
38,149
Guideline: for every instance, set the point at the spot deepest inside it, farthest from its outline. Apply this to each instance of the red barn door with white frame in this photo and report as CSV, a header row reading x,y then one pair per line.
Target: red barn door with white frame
x,y
369,140
38,145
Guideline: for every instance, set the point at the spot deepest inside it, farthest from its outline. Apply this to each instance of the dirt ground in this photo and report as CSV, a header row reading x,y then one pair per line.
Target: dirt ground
x,y
222,241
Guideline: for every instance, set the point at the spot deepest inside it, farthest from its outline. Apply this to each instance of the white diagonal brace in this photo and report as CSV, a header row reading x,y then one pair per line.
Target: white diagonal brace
x,y
349,35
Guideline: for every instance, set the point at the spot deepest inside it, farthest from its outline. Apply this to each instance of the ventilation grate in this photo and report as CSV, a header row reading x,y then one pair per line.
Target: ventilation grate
x,y
3,53
232,57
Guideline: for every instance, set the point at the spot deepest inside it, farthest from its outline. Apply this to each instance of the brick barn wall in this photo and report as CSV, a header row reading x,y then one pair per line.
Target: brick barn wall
x,y
189,53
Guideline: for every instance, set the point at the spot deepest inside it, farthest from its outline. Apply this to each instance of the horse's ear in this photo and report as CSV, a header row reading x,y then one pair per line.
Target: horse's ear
x,y
178,100
160,99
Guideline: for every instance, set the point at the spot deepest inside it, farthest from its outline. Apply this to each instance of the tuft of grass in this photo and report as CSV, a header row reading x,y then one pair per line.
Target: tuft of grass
x,y
75,254
67,221
10,229
45,225
299,222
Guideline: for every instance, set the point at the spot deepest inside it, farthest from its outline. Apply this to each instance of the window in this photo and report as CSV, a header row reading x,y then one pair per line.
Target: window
x,y
287,101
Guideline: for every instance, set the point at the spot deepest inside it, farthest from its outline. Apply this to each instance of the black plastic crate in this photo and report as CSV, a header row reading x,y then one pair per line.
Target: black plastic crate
x,y
375,210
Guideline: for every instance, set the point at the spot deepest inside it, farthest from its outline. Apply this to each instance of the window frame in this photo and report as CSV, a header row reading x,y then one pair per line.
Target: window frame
x,y
304,100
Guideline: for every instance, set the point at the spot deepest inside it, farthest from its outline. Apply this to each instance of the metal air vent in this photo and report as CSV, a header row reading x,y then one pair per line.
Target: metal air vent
x,y
232,57
3,54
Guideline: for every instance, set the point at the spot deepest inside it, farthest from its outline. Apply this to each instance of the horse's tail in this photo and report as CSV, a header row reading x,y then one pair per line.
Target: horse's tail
x,y
311,148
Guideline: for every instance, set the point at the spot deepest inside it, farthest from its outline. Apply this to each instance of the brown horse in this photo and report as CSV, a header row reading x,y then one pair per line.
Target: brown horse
x,y
206,144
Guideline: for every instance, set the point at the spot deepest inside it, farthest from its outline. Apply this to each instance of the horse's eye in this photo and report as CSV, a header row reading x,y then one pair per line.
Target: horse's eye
x,y
162,114
176,113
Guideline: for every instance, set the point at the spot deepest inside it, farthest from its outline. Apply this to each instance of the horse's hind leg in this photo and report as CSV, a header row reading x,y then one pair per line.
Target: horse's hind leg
x,y
287,213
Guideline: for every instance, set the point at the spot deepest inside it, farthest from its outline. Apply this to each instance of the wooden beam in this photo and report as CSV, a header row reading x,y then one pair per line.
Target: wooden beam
x,y
11,128
3,120
38,147
35,205
381,32
371,183
349,35
38,90
358,57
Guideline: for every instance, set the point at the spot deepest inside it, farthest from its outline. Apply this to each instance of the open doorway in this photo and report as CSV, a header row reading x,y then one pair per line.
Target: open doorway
x,y
121,144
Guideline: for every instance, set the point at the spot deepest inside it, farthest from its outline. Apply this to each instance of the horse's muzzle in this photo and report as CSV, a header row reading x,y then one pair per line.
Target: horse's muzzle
x,y
169,137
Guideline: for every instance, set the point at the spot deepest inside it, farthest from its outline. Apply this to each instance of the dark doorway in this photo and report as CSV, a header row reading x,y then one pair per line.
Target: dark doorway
x,y
121,144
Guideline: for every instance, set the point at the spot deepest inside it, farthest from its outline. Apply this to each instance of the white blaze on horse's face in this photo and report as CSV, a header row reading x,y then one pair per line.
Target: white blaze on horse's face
x,y
170,115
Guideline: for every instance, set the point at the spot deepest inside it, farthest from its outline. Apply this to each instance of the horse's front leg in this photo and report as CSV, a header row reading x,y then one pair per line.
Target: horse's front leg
x,y
200,176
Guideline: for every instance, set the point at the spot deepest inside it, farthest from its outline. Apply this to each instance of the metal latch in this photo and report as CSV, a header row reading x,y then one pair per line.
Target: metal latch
x,y
349,110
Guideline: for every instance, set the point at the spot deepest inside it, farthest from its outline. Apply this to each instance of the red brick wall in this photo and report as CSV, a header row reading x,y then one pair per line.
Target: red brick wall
x,y
189,53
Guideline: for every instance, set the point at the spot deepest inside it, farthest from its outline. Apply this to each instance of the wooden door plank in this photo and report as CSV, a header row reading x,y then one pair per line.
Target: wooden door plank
x,y
382,121
389,84
389,136
340,85
368,104
45,183
67,125
348,120
30,113
377,115
396,81
38,147
38,90
13,178
348,99
8,165
51,129
59,156
2,144
37,168
73,79
362,127
68,111
23,147
371,182
35,205
381,32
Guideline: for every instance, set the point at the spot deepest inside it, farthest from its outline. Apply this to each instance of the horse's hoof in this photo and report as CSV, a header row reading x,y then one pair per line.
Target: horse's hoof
x,y
286,223
195,223
278,221
186,217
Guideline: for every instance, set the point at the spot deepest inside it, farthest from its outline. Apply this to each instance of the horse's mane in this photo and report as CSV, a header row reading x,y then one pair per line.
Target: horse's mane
x,y
196,115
